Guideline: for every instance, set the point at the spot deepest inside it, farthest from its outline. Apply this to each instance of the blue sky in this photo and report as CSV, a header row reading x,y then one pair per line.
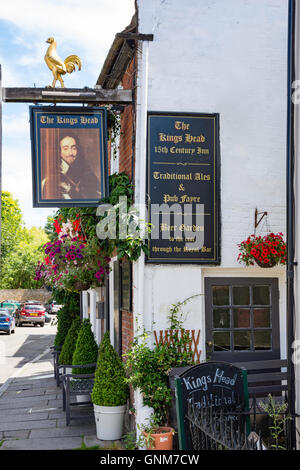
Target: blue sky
x,y
86,28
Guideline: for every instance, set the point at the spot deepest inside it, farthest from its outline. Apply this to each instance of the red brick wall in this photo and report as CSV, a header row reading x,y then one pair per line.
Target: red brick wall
x,y
127,125
125,162
127,330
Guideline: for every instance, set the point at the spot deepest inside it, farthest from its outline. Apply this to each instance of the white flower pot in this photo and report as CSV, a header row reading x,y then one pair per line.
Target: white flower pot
x,y
109,422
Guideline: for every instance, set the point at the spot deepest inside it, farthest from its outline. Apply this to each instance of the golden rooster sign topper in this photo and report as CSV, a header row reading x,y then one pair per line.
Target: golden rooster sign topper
x,y
58,66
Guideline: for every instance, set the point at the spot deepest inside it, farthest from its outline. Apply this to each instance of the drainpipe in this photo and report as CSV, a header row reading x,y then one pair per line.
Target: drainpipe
x,y
290,217
142,413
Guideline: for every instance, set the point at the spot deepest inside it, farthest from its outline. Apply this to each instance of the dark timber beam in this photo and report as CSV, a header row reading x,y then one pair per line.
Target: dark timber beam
x,y
135,36
66,95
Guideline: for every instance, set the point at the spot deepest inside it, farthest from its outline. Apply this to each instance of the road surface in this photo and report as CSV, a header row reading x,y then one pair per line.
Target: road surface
x,y
23,346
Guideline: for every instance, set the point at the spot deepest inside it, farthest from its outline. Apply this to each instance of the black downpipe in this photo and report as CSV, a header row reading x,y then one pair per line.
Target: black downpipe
x,y
291,221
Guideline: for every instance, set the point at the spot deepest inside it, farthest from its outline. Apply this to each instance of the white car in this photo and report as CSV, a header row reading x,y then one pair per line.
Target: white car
x,y
53,307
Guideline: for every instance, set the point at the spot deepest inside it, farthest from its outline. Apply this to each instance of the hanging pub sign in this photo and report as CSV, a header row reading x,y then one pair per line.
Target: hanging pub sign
x,y
183,188
69,156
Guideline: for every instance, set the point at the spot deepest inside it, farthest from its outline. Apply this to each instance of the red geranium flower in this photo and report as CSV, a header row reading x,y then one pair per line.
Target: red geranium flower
x,y
263,249
76,224
57,226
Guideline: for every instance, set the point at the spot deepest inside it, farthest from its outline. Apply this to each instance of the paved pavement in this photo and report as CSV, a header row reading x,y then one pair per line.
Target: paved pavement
x,y
31,415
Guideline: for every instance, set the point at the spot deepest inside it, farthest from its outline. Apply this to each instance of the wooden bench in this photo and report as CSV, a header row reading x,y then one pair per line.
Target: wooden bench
x,y
265,378
76,385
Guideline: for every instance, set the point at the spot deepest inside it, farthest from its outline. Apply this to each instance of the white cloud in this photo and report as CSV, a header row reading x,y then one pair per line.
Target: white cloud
x,y
90,25
86,28
9,75
15,124
17,180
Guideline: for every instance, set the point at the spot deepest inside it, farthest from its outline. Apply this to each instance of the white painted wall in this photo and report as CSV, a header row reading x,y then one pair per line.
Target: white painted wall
x,y
85,309
89,310
297,215
228,58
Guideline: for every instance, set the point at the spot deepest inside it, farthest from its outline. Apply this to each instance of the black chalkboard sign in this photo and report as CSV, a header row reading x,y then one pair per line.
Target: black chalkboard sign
x,y
211,384
183,177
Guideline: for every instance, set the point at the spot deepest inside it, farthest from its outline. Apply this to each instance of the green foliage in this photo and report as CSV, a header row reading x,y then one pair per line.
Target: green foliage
x,y
130,441
110,386
66,315
36,237
73,263
20,247
148,368
71,299
113,127
120,185
132,247
64,321
49,227
18,269
96,253
277,413
11,223
86,350
69,345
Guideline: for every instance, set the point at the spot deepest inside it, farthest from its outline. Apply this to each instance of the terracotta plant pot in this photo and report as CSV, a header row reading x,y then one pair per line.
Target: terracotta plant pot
x,y
161,440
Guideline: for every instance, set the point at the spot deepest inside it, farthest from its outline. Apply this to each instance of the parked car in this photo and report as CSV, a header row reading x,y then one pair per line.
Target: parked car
x,y
12,305
12,302
7,321
47,317
30,313
53,307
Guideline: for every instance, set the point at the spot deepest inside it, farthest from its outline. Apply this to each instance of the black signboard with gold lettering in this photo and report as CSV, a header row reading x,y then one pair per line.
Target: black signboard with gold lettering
x,y
183,188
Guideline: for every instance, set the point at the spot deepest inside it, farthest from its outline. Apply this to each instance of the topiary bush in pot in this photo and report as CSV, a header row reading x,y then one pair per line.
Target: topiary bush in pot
x,y
67,351
110,392
86,350
65,316
64,322
110,387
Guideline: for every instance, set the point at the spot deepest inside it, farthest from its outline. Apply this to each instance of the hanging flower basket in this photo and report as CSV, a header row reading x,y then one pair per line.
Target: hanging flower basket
x,y
80,286
266,252
266,264
72,262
